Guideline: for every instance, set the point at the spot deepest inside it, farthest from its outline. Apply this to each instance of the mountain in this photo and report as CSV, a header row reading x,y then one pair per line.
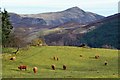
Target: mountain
x,y
70,27
97,34
18,21
53,19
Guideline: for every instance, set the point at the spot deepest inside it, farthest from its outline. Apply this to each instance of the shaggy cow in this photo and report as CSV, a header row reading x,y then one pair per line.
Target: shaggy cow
x,y
64,67
106,63
54,57
13,58
35,69
80,55
22,67
97,56
82,45
53,67
57,58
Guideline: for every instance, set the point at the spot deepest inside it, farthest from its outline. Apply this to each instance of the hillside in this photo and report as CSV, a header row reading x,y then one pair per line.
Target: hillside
x,y
106,33
77,67
79,27
96,34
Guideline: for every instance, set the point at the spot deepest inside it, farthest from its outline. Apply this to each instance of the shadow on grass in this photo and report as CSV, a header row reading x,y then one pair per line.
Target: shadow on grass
x,y
51,58
92,57
27,71
46,67
59,68
15,69
50,68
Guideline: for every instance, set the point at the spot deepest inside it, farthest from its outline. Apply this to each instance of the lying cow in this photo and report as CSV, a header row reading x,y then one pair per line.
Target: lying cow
x,y
22,67
97,56
13,58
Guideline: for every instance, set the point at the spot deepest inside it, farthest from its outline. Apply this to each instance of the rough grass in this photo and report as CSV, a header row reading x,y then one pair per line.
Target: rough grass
x,y
77,67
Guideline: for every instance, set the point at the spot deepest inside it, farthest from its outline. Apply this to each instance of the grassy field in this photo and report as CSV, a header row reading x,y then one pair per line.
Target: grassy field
x,y
77,67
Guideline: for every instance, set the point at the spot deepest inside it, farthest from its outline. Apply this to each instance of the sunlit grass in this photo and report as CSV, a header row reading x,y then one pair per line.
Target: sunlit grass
x,y
77,67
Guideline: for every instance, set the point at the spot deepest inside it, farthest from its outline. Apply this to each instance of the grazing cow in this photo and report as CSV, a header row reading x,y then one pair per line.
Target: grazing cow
x,y
106,63
22,67
57,58
53,67
80,55
82,45
35,69
97,56
64,67
13,58
54,58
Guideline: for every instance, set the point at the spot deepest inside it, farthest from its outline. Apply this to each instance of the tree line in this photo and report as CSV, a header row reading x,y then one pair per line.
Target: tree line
x,y
9,38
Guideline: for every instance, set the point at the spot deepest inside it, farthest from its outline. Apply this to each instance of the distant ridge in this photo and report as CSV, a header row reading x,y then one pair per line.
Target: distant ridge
x,y
104,32
54,18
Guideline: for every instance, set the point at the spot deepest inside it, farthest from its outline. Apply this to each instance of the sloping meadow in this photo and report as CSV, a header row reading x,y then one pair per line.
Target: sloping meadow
x,y
79,62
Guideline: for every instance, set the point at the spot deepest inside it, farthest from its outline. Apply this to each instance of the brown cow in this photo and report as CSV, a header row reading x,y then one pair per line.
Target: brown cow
x,y
13,58
53,67
97,56
54,58
81,56
22,67
35,69
57,58
106,63
64,67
